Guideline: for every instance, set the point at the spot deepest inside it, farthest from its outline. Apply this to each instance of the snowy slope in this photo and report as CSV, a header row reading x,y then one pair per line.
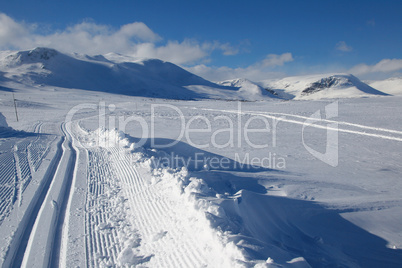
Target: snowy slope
x,y
392,86
321,86
110,73
249,89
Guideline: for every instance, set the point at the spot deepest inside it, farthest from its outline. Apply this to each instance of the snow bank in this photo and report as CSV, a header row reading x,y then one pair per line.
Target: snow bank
x,y
3,121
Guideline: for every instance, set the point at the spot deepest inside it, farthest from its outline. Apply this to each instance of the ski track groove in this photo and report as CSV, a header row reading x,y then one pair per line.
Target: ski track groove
x,y
102,241
18,165
8,183
149,208
275,116
15,258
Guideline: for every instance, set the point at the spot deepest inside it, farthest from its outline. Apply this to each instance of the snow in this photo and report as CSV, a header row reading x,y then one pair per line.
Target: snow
x,y
87,178
249,89
315,87
109,73
391,86
3,121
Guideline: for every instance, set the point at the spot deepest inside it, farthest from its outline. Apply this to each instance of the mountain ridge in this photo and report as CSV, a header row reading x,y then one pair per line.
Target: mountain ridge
x,y
321,86
116,73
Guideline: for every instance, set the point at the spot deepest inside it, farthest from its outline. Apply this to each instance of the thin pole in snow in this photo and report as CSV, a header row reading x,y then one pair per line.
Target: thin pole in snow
x,y
15,107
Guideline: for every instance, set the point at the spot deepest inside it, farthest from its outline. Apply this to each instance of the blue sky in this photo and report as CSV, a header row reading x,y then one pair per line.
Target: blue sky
x,y
219,39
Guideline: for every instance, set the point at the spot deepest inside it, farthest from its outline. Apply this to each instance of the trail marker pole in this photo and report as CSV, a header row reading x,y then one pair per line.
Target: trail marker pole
x,y
15,107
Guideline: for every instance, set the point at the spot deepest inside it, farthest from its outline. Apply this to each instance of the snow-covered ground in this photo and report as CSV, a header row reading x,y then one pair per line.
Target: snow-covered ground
x,y
98,179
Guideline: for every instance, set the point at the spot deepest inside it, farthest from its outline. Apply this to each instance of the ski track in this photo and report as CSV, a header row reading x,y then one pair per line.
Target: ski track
x,y
20,243
281,117
18,163
8,182
36,233
154,216
162,235
102,241
56,256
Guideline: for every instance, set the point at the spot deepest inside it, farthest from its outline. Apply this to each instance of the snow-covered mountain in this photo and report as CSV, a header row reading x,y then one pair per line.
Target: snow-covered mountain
x,y
109,73
321,86
249,89
122,74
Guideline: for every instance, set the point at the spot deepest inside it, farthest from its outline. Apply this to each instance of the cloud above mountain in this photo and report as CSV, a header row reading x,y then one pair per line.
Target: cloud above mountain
x,y
134,39
138,40
383,66
258,71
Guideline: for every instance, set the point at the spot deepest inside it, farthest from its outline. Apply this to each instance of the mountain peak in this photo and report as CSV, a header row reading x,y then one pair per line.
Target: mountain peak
x,y
322,86
42,53
138,77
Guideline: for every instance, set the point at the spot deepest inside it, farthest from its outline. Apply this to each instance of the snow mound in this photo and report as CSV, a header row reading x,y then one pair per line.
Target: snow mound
x,y
392,86
322,86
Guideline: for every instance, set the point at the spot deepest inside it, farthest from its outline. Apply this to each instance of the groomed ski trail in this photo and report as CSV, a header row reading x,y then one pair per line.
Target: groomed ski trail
x,y
171,234
136,216
20,243
43,247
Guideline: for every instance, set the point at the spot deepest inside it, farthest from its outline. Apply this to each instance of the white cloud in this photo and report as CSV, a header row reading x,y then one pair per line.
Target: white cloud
x,y
134,39
180,53
137,40
13,33
273,60
384,66
256,72
342,46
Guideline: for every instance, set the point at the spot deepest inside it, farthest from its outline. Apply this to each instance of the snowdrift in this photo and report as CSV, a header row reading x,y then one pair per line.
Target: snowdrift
x,y
321,86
